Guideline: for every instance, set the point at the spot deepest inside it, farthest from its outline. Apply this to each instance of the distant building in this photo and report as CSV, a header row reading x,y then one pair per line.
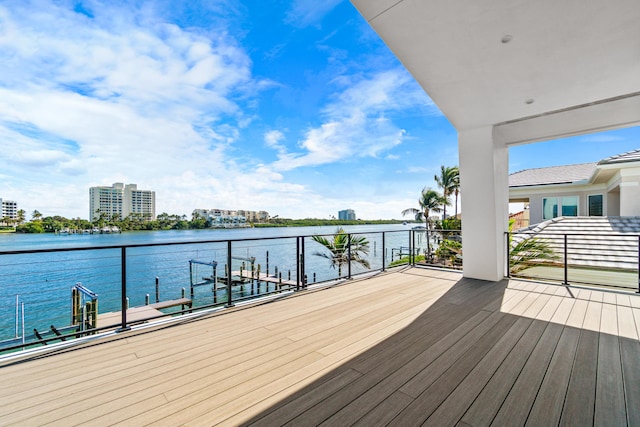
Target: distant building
x,y
122,200
9,209
232,218
347,214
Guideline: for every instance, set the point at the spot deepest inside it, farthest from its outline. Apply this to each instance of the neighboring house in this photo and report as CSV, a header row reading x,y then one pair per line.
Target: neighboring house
x,y
610,187
520,219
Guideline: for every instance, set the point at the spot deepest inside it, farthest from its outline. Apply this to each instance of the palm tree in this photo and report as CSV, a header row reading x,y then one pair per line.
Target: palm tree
x,y
448,180
430,201
36,215
456,186
21,216
528,252
339,248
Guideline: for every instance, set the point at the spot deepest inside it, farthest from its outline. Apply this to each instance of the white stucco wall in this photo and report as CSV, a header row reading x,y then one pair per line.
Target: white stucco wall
x,y
484,173
630,192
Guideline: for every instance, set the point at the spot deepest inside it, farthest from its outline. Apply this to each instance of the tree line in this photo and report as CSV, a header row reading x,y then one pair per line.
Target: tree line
x,y
50,224
164,221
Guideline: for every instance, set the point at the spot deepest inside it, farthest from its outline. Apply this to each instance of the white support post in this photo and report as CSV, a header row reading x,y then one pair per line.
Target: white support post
x,y
484,185
630,192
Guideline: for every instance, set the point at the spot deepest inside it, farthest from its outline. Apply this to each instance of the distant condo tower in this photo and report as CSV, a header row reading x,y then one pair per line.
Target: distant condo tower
x,y
9,209
348,214
122,200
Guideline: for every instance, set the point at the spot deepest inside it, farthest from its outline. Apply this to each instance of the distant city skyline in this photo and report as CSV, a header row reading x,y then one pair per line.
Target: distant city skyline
x,y
296,108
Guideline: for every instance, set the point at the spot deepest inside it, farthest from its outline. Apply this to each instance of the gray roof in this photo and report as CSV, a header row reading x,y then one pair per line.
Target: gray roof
x,y
552,175
629,156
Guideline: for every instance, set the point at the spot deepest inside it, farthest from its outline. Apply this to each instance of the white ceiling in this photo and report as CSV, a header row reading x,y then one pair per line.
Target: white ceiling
x,y
562,54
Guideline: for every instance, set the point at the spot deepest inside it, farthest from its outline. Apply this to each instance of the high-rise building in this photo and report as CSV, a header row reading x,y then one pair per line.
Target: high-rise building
x,y
347,214
9,209
122,200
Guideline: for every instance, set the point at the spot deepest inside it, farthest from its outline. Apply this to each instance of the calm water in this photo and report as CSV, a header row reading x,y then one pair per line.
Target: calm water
x,y
43,281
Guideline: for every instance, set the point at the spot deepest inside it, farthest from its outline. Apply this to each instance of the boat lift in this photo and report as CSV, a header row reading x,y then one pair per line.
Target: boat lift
x,y
197,279
84,307
218,280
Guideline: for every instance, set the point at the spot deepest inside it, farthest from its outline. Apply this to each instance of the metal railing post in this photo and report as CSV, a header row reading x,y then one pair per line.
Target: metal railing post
x,y
349,255
123,289
411,237
298,270
302,266
229,273
384,251
508,255
566,267
638,291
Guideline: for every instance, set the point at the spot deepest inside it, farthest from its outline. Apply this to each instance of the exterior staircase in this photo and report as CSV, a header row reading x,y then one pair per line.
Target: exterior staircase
x,y
596,242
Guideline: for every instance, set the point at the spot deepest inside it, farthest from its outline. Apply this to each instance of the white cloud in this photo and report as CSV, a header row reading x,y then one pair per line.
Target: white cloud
x,y
304,13
357,123
125,96
108,99
273,139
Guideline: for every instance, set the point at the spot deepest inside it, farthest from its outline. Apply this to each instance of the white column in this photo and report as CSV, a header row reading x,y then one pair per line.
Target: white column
x,y
484,189
630,192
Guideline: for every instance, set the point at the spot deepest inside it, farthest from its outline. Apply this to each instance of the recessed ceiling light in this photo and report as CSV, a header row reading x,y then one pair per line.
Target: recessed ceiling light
x,y
506,38
529,101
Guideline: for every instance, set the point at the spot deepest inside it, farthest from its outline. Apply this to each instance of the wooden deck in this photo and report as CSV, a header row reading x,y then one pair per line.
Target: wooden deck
x,y
404,348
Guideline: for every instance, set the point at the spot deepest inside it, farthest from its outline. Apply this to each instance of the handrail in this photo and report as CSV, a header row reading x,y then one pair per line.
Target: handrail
x,y
577,256
125,322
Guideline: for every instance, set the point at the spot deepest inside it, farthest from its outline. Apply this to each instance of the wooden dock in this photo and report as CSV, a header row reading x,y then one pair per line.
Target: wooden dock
x,y
136,314
263,277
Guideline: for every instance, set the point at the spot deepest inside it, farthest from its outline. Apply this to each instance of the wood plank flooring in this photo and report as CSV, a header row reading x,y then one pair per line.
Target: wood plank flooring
x,y
410,347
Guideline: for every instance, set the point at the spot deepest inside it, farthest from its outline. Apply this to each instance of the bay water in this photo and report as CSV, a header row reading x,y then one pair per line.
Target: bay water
x,y
40,283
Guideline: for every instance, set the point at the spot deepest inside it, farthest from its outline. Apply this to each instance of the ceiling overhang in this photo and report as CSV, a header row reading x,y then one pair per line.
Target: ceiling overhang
x,y
533,70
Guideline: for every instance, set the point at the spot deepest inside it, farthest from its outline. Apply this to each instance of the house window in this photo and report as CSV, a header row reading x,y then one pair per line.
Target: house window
x,y
549,207
569,206
556,206
595,205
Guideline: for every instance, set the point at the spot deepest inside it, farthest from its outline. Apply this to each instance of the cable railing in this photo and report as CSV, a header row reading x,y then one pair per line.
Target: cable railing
x,y
53,295
593,259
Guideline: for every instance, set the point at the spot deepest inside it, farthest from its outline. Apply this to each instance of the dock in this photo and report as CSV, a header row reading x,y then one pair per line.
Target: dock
x,y
262,277
136,314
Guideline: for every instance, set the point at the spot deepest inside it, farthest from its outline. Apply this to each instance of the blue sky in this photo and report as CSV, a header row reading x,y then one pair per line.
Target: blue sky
x,y
294,107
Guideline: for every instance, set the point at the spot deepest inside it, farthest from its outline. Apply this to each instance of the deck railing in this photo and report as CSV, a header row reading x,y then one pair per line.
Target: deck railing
x,y
139,283
603,259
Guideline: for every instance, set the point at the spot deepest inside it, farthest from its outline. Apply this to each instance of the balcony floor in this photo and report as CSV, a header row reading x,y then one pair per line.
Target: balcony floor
x,y
405,348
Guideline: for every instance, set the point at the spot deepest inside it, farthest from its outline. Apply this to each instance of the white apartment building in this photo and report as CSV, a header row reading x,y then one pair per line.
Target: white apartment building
x,y
9,209
231,218
123,200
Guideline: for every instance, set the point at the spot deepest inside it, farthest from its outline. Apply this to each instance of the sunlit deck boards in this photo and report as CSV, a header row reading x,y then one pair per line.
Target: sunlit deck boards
x,y
401,348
